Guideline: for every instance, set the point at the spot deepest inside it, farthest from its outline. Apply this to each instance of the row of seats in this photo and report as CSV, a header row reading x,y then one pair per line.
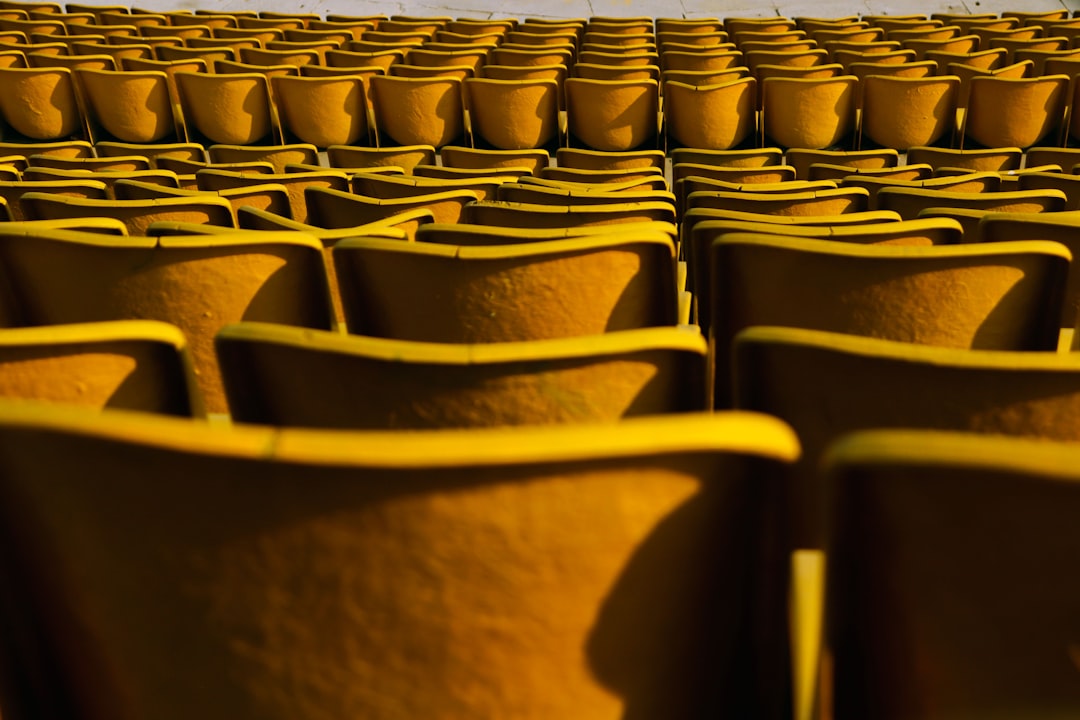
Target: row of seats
x,y
340,520
609,103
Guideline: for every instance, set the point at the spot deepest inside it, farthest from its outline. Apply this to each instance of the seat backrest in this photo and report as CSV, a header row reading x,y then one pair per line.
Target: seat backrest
x,y
899,112
1015,112
909,201
129,106
277,375
698,237
989,296
531,215
322,111
135,214
331,209
405,567
514,114
198,284
418,111
39,105
714,117
130,364
827,384
1057,227
561,288
806,112
960,548
230,109
612,115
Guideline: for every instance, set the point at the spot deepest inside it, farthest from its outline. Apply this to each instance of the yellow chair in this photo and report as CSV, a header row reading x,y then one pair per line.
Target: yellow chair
x,y
1057,227
228,109
198,284
792,373
531,215
513,114
462,158
612,116
40,105
135,214
989,594
700,232
718,117
331,209
996,159
466,234
130,107
388,187
322,111
1014,112
560,288
294,182
808,113
603,161
901,112
987,296
636,532
909,202
417,111
975,182
405,156
834,201
13,190
277,375
131,365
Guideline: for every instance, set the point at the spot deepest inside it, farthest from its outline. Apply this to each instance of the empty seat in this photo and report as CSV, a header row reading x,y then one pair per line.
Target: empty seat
x,y
514,114
980,541
612,115
129,364
198,284
808,113
560,288
232,109
277,375
418,111
135,214
717,117
405,567
322,111
988,296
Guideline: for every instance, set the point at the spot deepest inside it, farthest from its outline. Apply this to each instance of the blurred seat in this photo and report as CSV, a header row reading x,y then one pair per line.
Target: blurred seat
x,y
560,288
198,284
988,593
637,532
130,365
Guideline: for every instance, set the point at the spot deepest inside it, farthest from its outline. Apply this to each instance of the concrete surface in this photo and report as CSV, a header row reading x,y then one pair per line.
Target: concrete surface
x,y
616,8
